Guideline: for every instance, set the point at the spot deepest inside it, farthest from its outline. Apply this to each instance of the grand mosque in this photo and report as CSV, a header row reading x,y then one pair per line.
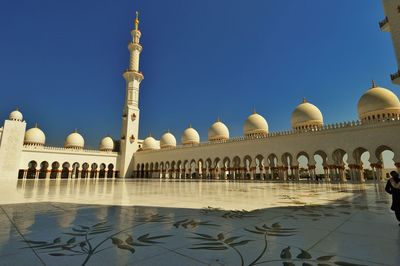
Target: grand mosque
x,y
257,155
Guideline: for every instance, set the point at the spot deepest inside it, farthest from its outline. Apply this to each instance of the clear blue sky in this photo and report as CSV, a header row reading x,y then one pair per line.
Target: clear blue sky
x,y
61,62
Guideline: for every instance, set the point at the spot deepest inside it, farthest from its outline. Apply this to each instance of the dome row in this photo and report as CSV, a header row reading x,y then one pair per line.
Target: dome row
x,y
36,137
254,125
376,103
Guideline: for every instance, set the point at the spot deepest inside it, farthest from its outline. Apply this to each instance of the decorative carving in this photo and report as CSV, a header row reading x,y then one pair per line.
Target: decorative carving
x,y
132,138
133,117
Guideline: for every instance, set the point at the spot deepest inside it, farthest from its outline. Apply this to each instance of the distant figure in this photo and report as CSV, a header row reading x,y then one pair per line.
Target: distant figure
x,y
393,188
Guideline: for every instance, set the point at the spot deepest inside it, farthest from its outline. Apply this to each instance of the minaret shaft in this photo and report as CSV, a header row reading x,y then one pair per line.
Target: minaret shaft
x,y
131,112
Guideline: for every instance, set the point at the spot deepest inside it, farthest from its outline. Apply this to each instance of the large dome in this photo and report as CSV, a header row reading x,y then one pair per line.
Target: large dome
x,y
34,136
218,131
167,141
378,102
255,125
306,115
16,116
190,136
150,143
106,144
74,141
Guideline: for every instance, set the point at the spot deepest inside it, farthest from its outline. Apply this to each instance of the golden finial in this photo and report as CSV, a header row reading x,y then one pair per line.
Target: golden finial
x,y
218,119
190,125
254,110
36,125
304,100
373,84
137,21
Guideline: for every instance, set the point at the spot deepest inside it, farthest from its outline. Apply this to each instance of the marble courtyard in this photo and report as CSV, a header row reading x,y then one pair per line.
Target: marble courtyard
x,y
96,222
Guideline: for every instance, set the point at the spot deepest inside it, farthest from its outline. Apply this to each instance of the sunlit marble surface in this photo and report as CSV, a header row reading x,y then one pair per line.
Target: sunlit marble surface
x,y
100,222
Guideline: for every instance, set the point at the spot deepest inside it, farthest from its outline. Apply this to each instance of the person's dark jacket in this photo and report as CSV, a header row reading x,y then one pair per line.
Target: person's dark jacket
x,y
393,187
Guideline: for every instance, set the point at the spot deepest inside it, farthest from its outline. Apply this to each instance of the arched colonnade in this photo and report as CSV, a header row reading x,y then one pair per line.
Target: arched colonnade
x,y
338,165
66,170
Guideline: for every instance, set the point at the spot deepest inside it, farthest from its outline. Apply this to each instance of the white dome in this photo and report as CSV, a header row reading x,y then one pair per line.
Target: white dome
x,y
378,101
106,144
150,143
16,116
306,115
190,136
167,141
255,125
218,131
34,136
75,141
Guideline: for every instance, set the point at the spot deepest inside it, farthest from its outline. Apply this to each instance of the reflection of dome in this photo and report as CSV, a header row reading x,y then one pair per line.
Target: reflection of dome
x,y
16,116
190,136
106,144
306,115
255,125
150,143
74,141
167,141
378,103
34,136
218,131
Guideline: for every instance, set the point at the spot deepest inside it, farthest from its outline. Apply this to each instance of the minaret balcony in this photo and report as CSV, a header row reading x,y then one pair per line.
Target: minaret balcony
x,y
384,24
130,74
396,77
135,46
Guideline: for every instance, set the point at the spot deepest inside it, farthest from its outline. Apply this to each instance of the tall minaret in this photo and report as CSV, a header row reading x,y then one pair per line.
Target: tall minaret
x,y
130,117
391,23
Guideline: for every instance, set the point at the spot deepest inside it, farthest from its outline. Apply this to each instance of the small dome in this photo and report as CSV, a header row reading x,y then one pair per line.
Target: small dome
x,y
378,102
255,125
190,136
16,116
34,136
74,141
150,143
167,141
218,131
106,144
306,115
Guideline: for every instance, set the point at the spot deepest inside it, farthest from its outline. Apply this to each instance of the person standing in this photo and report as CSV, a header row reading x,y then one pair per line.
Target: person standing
x,y
393,188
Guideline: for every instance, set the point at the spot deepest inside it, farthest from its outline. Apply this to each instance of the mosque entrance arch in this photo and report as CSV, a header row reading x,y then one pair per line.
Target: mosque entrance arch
x,y
65,170
110,172
31,174
43,170
54,170
102,172
93,170
75,170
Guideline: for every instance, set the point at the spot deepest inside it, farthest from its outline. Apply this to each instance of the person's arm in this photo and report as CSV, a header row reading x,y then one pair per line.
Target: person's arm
x,y
388,187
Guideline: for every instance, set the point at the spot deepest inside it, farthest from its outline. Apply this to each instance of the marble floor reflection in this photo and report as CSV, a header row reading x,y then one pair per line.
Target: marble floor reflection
x,y
114,222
